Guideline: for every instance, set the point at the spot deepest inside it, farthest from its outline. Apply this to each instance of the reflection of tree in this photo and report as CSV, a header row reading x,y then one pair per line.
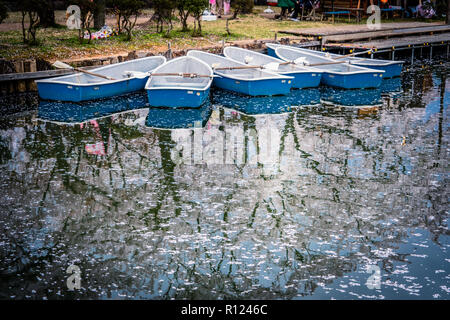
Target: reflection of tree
x,y
346,193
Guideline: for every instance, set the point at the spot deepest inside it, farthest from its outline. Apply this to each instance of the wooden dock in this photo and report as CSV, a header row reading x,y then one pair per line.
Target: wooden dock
x,y
319,33
386,34
390,38
439,39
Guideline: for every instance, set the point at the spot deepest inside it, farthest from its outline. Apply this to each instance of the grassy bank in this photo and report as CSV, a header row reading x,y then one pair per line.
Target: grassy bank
x,y
61,43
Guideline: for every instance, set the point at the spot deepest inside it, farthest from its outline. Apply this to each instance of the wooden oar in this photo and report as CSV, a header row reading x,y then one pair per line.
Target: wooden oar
x,y
314,64
324,63
62,65
184,75
240,67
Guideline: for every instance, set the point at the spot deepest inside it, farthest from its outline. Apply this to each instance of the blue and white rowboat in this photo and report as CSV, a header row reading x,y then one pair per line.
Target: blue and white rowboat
x,y
391,69
129,76
340,75
304,77
253,82
181,82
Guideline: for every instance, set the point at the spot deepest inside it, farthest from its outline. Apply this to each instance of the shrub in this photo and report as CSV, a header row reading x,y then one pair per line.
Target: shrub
x,y
87,8
183,13
163,11
242,7
29,10
196,8
3,11
128,11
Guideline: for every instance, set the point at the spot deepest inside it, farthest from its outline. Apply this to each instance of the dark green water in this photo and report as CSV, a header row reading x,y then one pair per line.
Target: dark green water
x,y
298,197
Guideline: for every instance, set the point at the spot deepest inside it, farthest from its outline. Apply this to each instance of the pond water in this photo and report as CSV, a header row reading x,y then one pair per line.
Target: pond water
x,y
322,194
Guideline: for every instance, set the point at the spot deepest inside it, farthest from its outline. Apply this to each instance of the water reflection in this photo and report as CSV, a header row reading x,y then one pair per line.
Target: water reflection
x,y
83,111
177,118
266,105
293,203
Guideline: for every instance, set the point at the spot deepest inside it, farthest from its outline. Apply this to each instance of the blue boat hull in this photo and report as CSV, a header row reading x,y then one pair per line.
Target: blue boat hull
x,y
264,87
352,81
77,93
177,97
390,71
305,79
271,52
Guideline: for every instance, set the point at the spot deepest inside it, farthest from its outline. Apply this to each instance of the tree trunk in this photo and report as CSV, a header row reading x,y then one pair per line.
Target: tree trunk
x,y
447,20
47,14
99,15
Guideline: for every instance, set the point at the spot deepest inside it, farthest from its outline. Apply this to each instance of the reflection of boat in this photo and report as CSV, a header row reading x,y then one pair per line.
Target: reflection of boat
x,y
128,76
360,98
392,85
181,82
341,75
76,112
178,118
261,105
239,78
353,98
391,68
304,77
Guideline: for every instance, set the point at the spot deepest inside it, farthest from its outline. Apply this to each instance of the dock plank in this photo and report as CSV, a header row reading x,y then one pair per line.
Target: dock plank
x,y
38,74
388,33
340,30
394,42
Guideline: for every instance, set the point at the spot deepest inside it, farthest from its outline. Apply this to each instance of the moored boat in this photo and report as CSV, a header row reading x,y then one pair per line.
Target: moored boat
x,y
241,78
335,73
391,68
124,77
181,82
304,77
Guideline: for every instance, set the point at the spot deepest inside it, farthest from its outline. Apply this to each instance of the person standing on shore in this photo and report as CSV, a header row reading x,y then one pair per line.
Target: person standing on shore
x,y
286,6
219,8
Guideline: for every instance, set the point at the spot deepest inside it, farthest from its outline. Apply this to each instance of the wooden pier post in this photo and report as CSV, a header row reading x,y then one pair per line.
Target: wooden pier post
x,y
21,85
169,50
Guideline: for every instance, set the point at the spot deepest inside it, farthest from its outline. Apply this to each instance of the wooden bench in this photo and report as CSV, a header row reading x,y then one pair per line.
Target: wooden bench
x,y
356,12
332,13
391,10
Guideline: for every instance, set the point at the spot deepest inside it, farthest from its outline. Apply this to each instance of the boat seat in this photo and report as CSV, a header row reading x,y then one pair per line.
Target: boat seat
x,y
187,84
